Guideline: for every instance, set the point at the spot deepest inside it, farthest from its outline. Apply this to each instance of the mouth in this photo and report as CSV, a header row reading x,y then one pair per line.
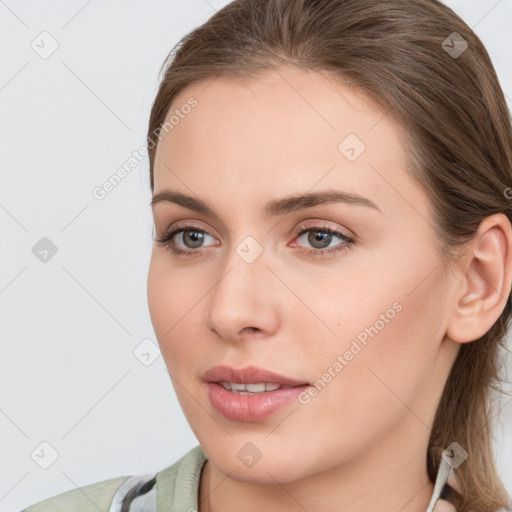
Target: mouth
x,y
252,402
250,394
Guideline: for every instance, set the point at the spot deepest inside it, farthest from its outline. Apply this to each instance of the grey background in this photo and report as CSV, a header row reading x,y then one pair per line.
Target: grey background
x,y
72,327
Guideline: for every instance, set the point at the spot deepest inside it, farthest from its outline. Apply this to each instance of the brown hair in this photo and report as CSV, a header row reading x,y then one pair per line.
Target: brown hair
x,y
401,53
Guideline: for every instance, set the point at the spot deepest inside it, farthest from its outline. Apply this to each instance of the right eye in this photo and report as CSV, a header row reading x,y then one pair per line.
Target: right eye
x,y
190,237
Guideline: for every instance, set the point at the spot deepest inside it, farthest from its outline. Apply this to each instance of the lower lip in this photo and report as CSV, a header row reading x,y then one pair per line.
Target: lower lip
x,y
250,408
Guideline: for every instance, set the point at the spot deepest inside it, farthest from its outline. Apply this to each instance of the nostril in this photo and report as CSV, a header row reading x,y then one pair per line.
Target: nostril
x,y
252,329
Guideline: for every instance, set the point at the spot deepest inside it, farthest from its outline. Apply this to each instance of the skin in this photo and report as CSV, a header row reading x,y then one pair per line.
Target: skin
x,y
360,443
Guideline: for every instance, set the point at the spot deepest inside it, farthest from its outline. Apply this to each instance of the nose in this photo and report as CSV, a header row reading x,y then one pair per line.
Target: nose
x,y
245,299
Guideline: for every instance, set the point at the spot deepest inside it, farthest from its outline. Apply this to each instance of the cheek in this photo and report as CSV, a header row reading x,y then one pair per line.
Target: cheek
x,y
171,300
171,293
377,334
385,347
366,389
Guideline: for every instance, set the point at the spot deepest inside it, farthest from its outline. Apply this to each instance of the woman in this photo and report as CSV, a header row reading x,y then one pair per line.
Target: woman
x,y
329,282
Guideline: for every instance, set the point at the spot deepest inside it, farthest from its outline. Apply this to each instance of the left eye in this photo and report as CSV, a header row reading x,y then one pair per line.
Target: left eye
x,y
321,237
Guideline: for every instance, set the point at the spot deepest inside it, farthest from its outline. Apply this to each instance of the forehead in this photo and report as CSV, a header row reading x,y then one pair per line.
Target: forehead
x,y
287,129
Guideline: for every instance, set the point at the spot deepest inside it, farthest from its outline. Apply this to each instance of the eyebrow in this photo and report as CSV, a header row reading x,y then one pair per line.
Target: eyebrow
x,y
275,207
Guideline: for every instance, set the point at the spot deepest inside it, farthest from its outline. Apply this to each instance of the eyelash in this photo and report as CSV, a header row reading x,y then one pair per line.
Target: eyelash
x,y
167,239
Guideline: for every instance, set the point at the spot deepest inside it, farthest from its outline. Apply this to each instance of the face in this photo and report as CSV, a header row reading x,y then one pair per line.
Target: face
x,y
347,296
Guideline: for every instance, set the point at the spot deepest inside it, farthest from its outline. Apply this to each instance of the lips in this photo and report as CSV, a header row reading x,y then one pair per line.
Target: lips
x,y
243,406
249,375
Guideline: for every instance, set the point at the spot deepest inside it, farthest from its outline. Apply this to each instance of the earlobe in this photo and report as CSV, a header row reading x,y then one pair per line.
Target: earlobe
x,y
487,276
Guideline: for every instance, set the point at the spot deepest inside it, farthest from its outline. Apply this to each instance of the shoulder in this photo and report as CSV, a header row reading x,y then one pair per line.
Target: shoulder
x,y
91,498
176,484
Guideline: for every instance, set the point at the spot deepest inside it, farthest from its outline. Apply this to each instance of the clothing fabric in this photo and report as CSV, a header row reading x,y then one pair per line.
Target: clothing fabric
x,y
174,489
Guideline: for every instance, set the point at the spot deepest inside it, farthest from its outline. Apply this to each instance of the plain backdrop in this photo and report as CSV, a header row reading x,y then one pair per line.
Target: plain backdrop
x,y
80,399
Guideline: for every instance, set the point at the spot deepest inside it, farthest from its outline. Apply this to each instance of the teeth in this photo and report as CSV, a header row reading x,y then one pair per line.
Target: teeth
x,y
251,388
254,388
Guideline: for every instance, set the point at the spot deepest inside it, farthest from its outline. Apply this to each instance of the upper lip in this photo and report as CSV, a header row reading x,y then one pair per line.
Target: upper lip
x,y
248,375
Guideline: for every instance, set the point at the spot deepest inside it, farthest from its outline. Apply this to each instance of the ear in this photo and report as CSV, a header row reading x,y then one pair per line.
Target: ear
x,y
487,277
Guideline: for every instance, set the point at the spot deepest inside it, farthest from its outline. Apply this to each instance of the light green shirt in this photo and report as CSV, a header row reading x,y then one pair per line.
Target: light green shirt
x,y
177,490
174,489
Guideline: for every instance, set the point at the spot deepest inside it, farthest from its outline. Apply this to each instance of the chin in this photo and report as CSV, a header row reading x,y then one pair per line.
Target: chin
x,y
251,459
